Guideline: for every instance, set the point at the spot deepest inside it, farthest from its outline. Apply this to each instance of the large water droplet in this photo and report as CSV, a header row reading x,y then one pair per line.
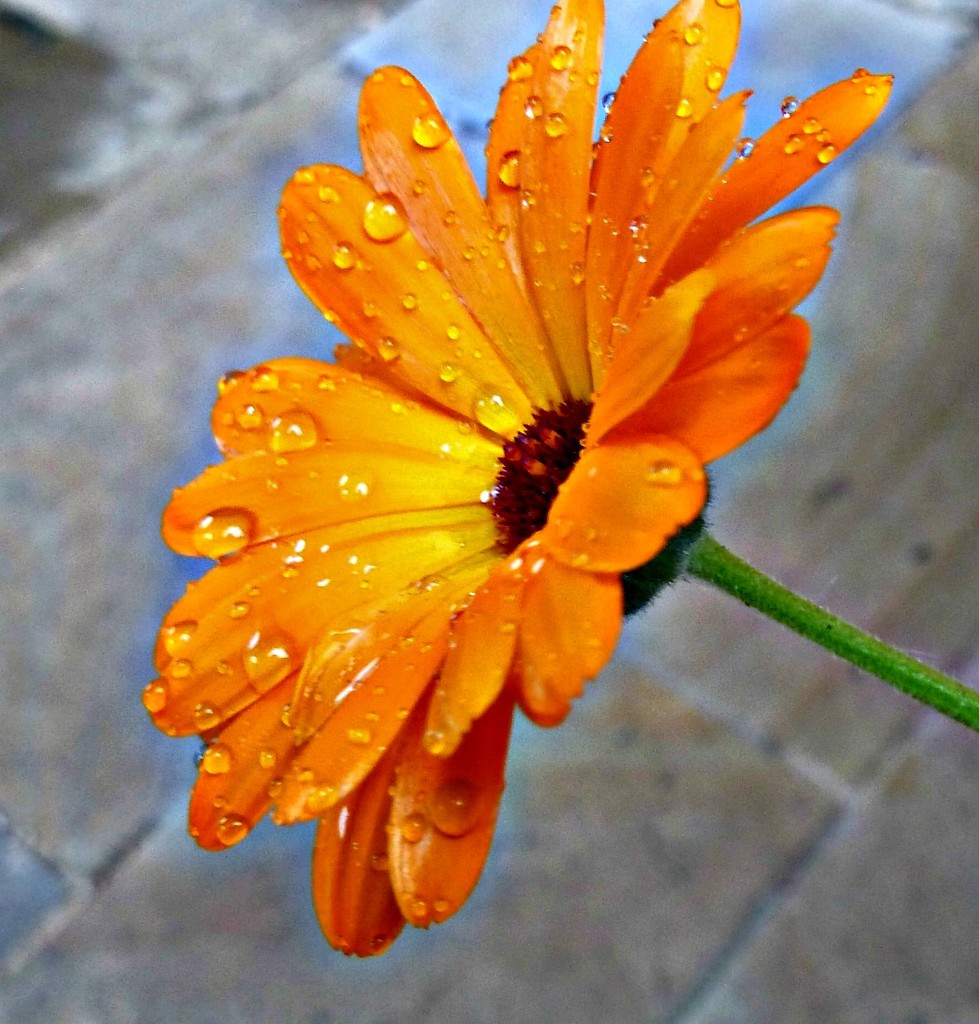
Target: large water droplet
x,y
789,106
454,807
264,378
430,130
388,349
293,431
826,154
534,107
509,169
561,58
178,636
217,759
384,219
519,69
493,412
684,108
223,531
156,695
745,147
344,258
413,828
231,829
607,100
267,659
693,34
206,716
556,126
714,79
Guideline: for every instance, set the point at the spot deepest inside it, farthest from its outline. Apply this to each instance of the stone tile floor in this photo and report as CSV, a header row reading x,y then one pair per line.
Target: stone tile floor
x,y
731,827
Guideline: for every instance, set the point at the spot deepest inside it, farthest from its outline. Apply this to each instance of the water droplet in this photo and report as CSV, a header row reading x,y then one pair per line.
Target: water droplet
x,y
293,432
206,716
607,100
267,659
858,74
811,125
264,378
577,272
792,145
180,669
267,759
693,34
240,609
344,258
448,372
534,107
231,829
561,58
418,909
789,106
684,108
519,69
359,737
714,79
224,531
320,799
556,125
249,417
430,130
228,381
328,194
410,301
384,219
492,411
156,695
413,828
454,807
388,349
663,473
217,759
826,154
509,170
745,147
178,636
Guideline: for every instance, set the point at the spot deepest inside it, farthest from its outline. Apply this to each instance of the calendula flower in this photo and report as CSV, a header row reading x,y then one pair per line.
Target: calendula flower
x,y
435,529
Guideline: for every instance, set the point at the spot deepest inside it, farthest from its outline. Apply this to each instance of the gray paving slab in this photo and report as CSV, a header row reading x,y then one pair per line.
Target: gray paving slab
x,y
632,844
883,928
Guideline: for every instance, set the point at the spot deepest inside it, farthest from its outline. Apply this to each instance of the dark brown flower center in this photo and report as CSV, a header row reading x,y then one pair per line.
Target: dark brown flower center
x,y
532,468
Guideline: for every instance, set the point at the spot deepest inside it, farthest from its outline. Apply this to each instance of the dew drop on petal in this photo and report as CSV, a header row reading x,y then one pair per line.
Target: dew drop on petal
x,y
430,130
792,145
556,125
223,531
561,58
714,79
264,379
388,349
577,272
744,148
789,106
534,107
249,417
384,219
448,373
178,636
693,34
454,807
492,412
509,169
811,125
519,69
267,759
413,828
206,716
328,194
267,659
359,737
826,154
607,100
231,829
217,759
156,695
344,258
410,301
228,381
293,431
684,108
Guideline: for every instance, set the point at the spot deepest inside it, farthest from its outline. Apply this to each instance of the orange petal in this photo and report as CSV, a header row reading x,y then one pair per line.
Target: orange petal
x,y
787,155
622,503
482,646
371,690
353,254
506,136
409,151
352,891
263,496
249,623
444,814
569,625
763,273
725,402
554,176
287,404
647,354
672,83
673,207
240,772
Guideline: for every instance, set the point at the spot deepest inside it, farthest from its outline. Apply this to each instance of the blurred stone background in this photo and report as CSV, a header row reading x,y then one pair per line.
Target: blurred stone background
x,y
732,828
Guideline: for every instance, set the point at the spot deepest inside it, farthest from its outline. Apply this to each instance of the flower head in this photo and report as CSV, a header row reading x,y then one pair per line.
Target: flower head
x,y
433,530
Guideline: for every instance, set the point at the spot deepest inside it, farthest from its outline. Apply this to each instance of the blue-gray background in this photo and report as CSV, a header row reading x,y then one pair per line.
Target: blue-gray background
x,y
731,828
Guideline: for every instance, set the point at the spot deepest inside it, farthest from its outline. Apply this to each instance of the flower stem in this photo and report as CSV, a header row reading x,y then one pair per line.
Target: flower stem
x,y
713,563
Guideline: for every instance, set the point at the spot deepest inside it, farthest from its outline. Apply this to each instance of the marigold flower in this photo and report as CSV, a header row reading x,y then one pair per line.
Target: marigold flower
x,y
431,531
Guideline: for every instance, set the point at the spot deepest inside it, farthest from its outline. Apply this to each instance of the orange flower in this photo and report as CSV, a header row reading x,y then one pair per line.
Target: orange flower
x,y
425,534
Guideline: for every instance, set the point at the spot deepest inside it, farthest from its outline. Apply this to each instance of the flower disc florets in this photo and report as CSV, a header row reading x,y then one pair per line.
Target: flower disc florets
x,y
532,468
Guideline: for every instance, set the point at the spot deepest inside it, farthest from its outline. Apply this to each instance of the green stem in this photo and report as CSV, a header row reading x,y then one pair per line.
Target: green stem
x,y
713,563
